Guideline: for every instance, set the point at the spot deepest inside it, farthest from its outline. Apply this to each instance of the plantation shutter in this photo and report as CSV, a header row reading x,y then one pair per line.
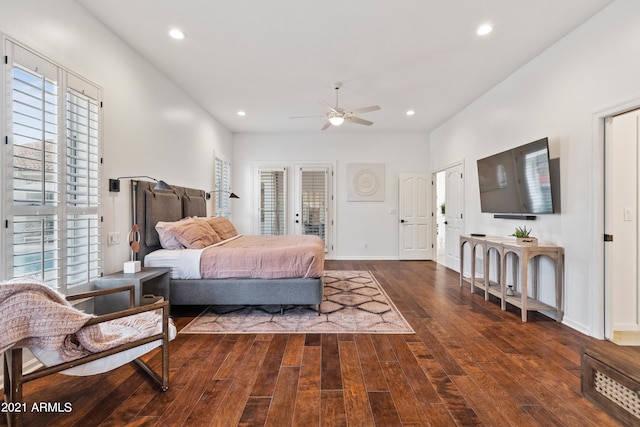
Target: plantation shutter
x,y
83,183
313,186
54,182
223,188
272,201
35,167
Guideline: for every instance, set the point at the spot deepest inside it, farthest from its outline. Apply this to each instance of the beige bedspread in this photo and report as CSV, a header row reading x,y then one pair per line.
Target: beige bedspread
x,y
264,257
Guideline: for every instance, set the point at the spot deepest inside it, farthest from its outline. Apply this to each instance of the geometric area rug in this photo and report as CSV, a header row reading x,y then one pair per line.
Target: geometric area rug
x,y
353,302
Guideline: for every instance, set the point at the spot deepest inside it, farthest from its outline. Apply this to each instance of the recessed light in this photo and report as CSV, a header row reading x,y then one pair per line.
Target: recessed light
x,y
484,29
410,112
177,34
242,113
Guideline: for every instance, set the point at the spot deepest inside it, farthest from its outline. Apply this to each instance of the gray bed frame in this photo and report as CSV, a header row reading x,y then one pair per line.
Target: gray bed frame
x,y
150,206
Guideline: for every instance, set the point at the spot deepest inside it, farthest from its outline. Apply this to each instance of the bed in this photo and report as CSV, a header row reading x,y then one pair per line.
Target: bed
x,y
242,281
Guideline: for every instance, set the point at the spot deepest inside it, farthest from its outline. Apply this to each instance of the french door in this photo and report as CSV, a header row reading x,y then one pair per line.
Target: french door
x,y
306,207
272,201
313,202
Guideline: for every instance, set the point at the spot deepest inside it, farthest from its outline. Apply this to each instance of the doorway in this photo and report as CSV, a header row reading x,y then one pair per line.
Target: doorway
x,y
296,200
621,254
449,199
441,231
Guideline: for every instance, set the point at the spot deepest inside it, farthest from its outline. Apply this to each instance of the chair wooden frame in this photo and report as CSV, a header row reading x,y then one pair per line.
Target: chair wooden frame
x,y
14,378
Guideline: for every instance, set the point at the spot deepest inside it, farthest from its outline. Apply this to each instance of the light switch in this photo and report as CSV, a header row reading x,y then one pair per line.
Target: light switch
x,y
113,238
628,214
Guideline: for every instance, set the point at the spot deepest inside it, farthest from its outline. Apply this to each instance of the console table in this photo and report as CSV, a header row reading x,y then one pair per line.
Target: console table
x,y
521,256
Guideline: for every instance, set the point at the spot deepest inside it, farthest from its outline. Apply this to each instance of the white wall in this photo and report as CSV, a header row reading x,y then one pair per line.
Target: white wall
x,y
558,95
150,126
356,222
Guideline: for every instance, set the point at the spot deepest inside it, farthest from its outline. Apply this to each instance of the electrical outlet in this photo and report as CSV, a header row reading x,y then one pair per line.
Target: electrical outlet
x,y
113,238
366,245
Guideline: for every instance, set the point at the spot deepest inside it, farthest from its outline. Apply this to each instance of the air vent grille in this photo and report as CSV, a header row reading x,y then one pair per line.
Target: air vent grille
x,y
622,396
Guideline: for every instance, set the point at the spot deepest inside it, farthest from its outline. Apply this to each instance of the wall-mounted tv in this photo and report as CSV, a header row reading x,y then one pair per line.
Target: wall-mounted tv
x,y
517,181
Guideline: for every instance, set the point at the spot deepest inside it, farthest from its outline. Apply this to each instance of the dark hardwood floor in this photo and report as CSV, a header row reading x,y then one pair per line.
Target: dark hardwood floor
x,y
468,364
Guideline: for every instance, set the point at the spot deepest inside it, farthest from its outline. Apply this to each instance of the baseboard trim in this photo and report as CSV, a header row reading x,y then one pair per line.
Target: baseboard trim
x,y
580,327
376,258
366,258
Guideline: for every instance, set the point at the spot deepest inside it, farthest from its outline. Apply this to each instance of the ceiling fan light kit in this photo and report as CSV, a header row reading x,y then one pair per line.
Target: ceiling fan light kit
x,y
336,115
336,120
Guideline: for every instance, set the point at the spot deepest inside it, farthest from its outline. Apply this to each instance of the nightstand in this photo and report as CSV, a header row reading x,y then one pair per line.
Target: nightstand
x,y
150,280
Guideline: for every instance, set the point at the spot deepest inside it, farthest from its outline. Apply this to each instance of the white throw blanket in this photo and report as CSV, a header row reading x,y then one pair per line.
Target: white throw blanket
x,y
34,315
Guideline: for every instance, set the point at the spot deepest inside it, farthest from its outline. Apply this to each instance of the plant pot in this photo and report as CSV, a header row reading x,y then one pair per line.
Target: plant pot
x,y
527,241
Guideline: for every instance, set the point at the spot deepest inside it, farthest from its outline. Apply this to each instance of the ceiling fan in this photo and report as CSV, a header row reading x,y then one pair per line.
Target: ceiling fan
x,y
337,115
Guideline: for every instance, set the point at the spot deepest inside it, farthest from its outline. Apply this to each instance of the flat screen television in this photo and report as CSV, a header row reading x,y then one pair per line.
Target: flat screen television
x,y
517,181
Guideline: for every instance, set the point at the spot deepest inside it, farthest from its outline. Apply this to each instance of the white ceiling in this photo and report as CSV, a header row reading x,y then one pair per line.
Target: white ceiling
x,y
277,58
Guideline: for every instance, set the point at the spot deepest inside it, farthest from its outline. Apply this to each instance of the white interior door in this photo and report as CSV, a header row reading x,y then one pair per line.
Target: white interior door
x,y
622,297
454,213
414,200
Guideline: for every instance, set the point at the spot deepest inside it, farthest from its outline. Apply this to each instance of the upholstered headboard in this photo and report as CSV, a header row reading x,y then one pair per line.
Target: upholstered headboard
x,y
150,206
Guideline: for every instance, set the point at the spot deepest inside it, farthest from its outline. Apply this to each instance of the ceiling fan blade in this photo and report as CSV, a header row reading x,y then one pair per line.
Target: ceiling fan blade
x,y
326,125
358,120
365,109
327,106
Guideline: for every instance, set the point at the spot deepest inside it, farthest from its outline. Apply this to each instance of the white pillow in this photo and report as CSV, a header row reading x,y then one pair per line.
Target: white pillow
x,y
168,239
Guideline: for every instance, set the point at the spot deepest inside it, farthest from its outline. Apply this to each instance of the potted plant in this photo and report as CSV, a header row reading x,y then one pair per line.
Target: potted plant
x,y
523,237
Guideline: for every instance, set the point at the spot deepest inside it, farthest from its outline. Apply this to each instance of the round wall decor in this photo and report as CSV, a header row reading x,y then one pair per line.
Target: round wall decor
x,y
365,182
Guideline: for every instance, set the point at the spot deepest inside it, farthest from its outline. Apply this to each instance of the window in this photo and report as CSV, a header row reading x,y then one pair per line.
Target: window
x,y
223,188
53,231
273,198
